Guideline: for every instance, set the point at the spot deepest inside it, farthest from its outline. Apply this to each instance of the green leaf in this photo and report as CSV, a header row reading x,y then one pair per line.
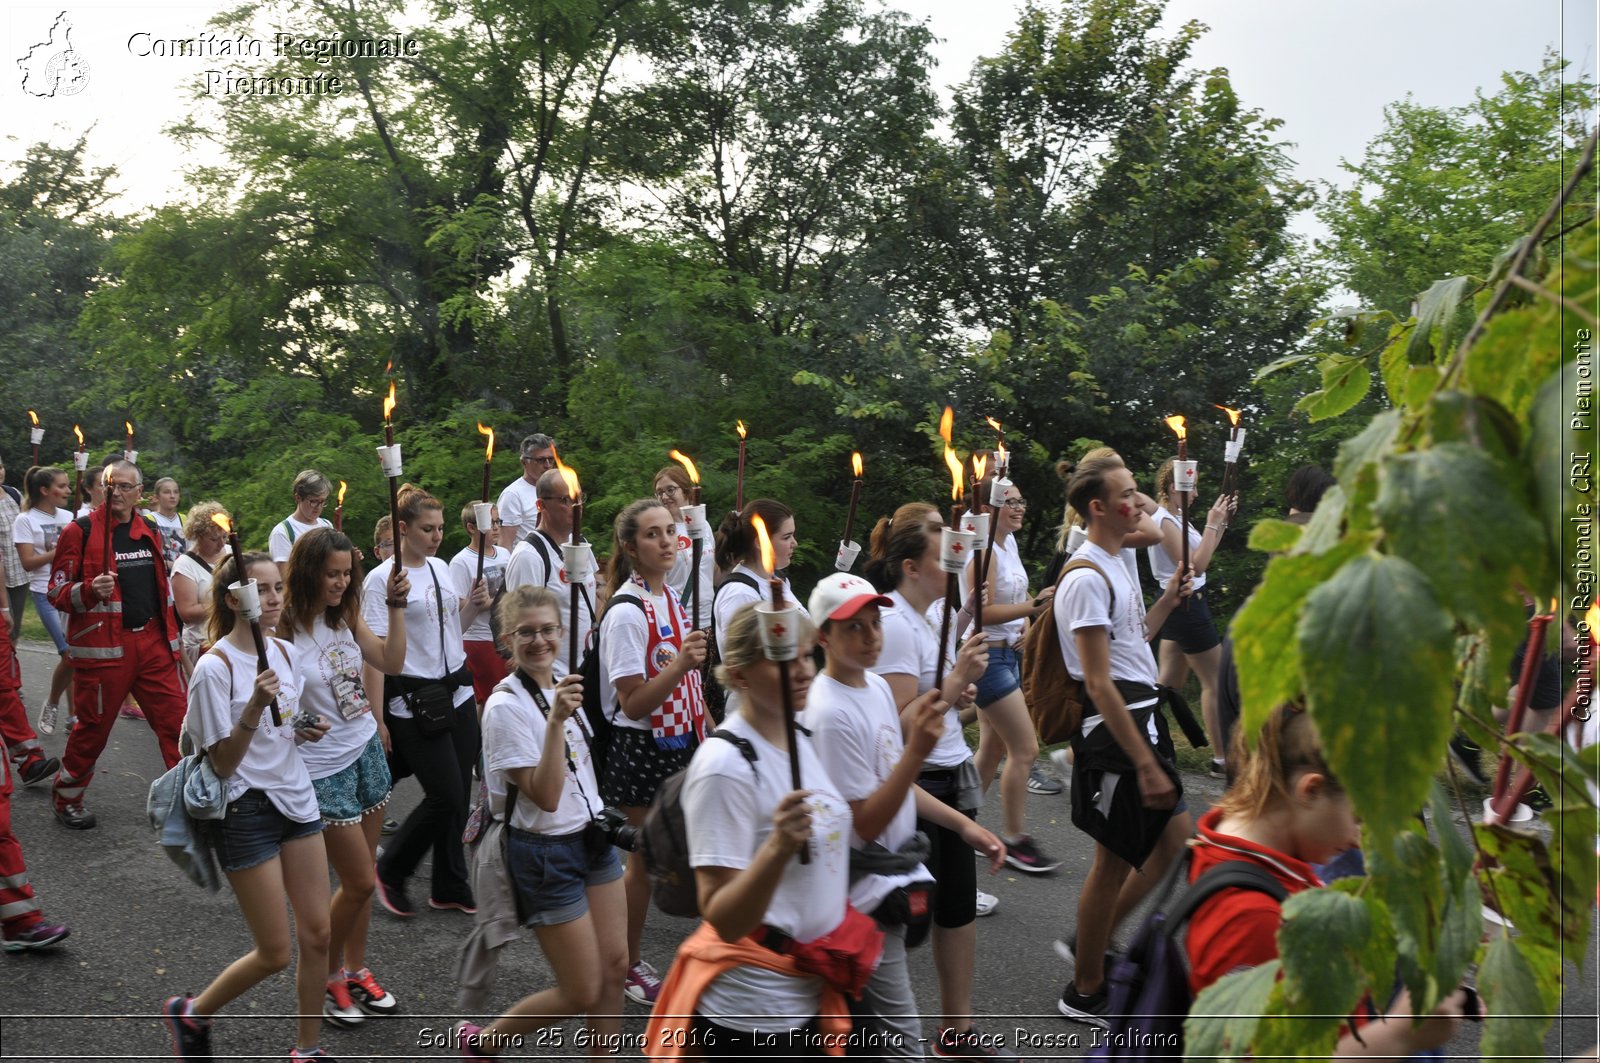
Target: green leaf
x,y
1530,893
1263,632
1273,536
1439,308
1394,365
1562,436
1458,417
1223,1019
1345,381
1406,874
1515,1018
1368,446
1376,651
1322,941
1278,365
1325,529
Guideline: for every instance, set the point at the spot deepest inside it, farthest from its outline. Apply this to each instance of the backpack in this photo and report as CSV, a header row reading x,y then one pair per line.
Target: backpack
x,y
716,697
1149,995
597,718
664,840
1055,699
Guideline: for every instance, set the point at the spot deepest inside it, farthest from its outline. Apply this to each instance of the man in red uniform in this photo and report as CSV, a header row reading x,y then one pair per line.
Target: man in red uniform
x,y
22,924
122,634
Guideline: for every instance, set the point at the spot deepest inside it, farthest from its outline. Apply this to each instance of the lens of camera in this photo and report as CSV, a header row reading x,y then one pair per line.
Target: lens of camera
x,y
626,838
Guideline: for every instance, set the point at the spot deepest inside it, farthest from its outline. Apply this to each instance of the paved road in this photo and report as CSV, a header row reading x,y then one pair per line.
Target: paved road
x,y
141,932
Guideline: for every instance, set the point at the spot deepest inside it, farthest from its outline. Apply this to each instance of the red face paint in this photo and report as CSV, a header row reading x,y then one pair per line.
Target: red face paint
x,y
1126,509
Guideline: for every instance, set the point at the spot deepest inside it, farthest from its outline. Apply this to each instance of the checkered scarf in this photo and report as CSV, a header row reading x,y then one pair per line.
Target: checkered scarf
x,y
683,713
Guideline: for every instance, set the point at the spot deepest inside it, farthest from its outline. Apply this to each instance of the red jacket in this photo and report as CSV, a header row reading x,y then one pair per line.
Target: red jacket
x,y
94,628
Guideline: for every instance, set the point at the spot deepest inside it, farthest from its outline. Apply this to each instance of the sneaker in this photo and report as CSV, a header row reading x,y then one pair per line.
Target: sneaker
x,y
1092,1009
452,906
1067,949
368,995
40,935
390,826
338,1007
1219,769
131,711
987,903
394,899
1468,758
47,719
38,768
971,1045
311,1053
1040,783
191,1037
1024,855
75,816
1061,760
466,1034
643,984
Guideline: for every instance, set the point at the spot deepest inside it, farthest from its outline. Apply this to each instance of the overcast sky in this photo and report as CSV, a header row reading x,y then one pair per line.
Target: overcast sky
x,y
1326,68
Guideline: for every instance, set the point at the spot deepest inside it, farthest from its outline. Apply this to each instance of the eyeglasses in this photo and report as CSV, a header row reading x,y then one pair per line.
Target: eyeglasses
x,y
119,485
316,503
1015,503
546,460
549,633
669,491
384,544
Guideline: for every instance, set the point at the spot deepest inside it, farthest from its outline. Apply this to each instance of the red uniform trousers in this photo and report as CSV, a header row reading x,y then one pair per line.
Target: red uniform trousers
x,y
21,743
148,670
19,911
487,668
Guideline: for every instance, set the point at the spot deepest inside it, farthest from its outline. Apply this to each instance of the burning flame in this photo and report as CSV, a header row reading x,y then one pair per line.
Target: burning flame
x,y
996,426
488,450
34,418
342,487
980,465
1002,461
79,433
1233,415
855,462
768,558
946,422
129,426
389,404
388,368
1175,422
740,426
569,474
688,465
221,520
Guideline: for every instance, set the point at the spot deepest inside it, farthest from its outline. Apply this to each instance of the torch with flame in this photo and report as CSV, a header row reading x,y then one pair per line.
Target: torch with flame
x,y
338,509
569,476
738,496
848,550
778,631
1232,449
689,467
245,591
388,415
488,456
1184,475
694,515
35,435
1000,465
80,462
128,453
953,462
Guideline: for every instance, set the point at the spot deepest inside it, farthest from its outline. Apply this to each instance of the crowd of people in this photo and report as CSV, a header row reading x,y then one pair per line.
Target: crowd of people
x,y
540,751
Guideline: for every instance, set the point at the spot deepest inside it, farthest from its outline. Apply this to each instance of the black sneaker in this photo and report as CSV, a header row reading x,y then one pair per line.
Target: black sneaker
x,y
1092,1009
393,897
75,816
974,1044
1024,855
1467,758
38,769
191,1038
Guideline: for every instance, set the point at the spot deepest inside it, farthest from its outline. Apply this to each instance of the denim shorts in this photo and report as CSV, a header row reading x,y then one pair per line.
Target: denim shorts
x,y
551,873
50,618
346,796
253,831
1003,675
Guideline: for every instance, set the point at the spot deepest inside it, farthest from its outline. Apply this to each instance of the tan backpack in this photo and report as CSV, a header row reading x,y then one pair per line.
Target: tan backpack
x,y
1055,699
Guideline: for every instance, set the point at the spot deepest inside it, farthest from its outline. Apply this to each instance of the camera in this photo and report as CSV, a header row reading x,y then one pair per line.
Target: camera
x,y
305,720
611,827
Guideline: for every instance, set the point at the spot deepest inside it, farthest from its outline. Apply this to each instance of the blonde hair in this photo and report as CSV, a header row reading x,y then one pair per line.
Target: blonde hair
x,y
1071,518
1164,482
516,600
1287,746
200,518
742,641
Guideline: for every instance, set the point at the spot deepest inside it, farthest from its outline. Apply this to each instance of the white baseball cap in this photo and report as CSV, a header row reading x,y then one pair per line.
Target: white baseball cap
x,y
841,596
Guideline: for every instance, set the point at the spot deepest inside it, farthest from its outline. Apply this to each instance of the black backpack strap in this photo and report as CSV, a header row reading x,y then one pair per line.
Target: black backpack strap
x,y
738,577
1230,874
743,745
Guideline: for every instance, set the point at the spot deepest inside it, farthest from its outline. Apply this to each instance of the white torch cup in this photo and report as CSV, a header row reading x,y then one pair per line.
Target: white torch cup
x,y
36,436
483,516
845,559
249,598
780,632
954,549
1076,537
1185,475
579,561
997,491
978,525
80,460
389,458
131,457
695,518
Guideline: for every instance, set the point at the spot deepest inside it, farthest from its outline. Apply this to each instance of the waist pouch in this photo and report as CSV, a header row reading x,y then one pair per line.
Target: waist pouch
x,y
910,906
431,701
845,957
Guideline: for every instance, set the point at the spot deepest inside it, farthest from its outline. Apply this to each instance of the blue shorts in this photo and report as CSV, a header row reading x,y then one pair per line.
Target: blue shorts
x,y
51,619
346,796
253,831
552,872
1003,675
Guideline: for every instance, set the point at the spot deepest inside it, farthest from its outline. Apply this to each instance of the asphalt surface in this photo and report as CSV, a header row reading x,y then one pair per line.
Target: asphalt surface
x,y
141,933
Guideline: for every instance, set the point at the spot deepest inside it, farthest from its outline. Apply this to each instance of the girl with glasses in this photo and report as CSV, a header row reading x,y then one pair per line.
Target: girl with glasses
x,y
674,489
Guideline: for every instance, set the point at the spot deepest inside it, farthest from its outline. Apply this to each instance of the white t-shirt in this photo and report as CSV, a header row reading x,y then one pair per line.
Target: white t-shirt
x,y
330,685
856,733
732,596
1083,602
194,634
911,647
280,542
682,568
218,693
1161,565
527,567
513,737
519,507
464,569
727,809
425,659
173,544
41,531
624,634
1011,587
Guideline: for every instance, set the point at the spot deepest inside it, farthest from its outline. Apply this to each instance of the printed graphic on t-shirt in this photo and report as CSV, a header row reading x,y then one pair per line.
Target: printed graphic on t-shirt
x,y
136,577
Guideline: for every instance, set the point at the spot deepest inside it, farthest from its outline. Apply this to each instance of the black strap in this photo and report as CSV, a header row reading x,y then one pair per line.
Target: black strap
x,y
713,657
614,600
743,745
198,559
536,539
1230,874
544,710
438,597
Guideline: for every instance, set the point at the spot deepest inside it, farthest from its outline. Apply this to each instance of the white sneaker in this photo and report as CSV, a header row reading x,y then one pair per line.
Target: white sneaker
x,y
1062,762
987,903
47,719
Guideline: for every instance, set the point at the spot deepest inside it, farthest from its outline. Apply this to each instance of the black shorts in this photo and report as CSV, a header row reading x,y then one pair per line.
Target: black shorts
x,y
955,902
637,767
1190,625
